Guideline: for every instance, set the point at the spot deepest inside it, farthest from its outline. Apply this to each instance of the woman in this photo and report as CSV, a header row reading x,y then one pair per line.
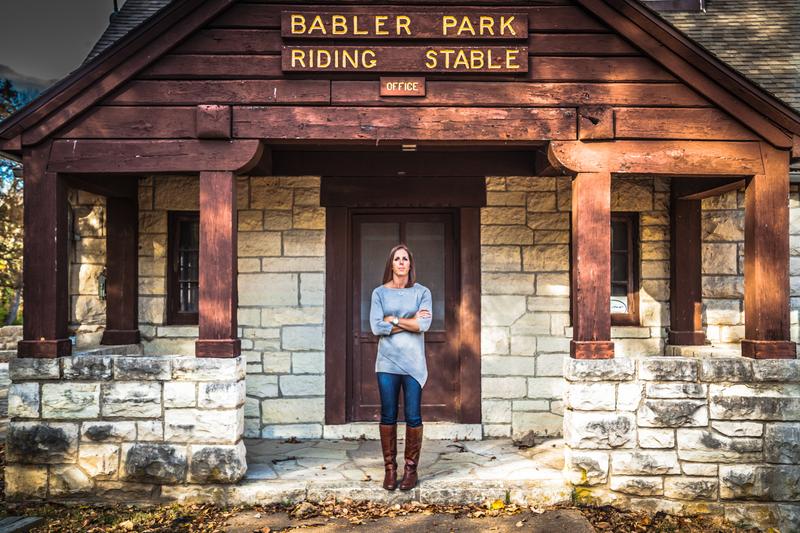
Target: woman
x,y
399,315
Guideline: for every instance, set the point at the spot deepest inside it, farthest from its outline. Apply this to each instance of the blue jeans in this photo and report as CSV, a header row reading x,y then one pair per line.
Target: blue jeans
x,y
389,388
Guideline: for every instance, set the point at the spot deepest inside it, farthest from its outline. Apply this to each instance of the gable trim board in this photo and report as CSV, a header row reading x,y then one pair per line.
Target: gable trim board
x,y
755,108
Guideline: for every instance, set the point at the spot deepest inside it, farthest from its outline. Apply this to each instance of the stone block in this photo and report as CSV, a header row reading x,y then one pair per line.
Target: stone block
x,y
93,367
550,364
287,431
691,488
504,365
638,485
759,482
142,368
262,386
552,284
617,369
25,482
275,317
675,390
777,370
150,430
252,220
68,480
505,198
536,424
99,461
668,369
108,431
502,310
154,463
595,396
732,369
308,363
507,283
45,442
782,443
701,445
754,402
217,464
719,258
500,258
586,467
550,388
599,430
207,369
180,394
548,221
496,412
632,194
23,400
308,217
506,235
70,400
220,394
274,362
629,396
531,324
638,347
738,429
656,438
545,258
131,399
700,469
200,426
673,413
296,338
268,289
723,286
503,215
293,410
551,237
303,243
177,192
24,369
312,289
723,226
643,463
506,387
259,244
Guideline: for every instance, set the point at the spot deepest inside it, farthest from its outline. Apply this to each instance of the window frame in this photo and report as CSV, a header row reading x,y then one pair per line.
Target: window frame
x,y
176,317
631,318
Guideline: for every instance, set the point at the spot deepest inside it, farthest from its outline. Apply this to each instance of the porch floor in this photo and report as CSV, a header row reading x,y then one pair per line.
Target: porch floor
x,y
450,472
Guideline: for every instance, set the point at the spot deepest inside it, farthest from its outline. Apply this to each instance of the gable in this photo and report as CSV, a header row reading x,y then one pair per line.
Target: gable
x,y
577,60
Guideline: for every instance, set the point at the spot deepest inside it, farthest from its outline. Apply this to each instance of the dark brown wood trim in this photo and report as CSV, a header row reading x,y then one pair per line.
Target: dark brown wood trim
x,y
591,265
766,257
406,191
337,279
122,269
218,271
469,314
769,349
45,259
174,314
118,187
685,267
631,318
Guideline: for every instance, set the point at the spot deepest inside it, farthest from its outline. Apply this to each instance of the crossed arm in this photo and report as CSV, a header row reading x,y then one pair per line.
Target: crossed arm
x,y
408,324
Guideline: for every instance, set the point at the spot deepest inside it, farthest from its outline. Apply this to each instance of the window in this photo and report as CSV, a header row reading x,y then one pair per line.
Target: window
x,y
625,269
183,270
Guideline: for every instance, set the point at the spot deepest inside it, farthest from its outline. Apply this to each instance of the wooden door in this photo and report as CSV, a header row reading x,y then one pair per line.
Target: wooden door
x,y
431,236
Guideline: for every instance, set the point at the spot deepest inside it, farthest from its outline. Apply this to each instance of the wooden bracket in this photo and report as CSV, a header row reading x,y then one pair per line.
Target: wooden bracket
x,y
595,123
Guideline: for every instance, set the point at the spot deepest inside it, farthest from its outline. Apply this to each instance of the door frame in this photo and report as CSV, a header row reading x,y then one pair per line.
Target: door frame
x,y
338,281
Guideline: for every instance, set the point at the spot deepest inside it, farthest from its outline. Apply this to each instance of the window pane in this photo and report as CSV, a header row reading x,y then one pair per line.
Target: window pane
x,y
188,265
426,241
619,235
377,238
619,267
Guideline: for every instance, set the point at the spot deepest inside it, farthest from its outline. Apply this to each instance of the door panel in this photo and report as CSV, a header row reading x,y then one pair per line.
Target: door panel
x,y
431,238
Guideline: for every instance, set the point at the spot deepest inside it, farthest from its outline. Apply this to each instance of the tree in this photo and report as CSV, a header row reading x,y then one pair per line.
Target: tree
x,y
10,217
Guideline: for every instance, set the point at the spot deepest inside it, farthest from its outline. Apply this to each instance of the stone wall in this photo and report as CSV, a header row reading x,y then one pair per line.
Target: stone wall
x,y
87,253
685,436
9,337
119,427
525,236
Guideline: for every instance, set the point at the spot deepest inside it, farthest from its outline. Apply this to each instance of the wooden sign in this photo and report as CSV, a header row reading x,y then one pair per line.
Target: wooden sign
x,y
464,59
405,86
400,25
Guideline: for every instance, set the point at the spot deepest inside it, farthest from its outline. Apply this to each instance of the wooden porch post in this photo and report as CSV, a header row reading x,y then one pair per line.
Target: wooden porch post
x,y
122,271
766,260
685,292
45,259
218,268
591,266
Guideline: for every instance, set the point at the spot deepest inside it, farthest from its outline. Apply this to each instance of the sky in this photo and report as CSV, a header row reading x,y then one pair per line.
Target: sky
x,y
48,39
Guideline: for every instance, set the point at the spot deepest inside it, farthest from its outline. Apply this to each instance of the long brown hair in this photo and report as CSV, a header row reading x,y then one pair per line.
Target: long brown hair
x,y
412,272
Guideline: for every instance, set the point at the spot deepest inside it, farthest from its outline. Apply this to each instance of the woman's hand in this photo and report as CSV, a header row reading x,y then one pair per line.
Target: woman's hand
x,y
388,318
423,313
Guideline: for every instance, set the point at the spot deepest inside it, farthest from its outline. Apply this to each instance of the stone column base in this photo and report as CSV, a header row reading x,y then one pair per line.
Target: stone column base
x,y
45,348
591,349
769,349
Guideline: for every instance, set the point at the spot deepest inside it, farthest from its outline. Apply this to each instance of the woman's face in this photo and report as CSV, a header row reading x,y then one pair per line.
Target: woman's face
x,y
401,263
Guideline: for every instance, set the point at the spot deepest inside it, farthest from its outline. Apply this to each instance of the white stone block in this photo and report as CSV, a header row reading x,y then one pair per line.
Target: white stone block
x,y
496,412
275,362
293,410
532,324
132,399
23,400
70,400
598,430
501,310
699,469
629,396
308,363
220,395
22,369
261,386
539,423
642,463
297,338
208,369
99,461
493,365
494,341
180,394
584,467
108,431
195,425
551,388
268,289
738,429
312,289
638,485
656,438
302,385
150,430
595,396
550,364
497,430
287,431
530,405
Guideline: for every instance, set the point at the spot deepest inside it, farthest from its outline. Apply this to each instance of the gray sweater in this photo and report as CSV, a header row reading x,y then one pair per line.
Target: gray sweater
x,y
402,352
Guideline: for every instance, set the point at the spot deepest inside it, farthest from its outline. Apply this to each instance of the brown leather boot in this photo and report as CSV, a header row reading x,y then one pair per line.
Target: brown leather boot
x,y
389,446
413,446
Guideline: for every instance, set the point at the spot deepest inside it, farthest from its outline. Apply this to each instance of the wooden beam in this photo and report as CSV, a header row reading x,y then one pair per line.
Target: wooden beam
x,y
686,158
591,266
154,156
766,260
218,268
449,124
698,189
679,123
337,282
469,315
686,294
45,260
122,271
119,187
463,191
